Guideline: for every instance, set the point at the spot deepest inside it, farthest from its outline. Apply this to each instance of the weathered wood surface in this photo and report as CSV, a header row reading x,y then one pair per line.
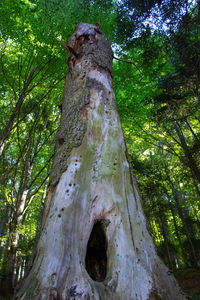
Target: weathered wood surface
x,y
94,243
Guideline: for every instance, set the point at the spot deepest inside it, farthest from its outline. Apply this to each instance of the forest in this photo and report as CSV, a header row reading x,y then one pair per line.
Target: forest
x,y
156,67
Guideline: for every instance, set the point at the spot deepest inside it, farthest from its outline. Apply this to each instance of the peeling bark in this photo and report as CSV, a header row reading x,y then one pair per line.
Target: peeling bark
x,y
94,243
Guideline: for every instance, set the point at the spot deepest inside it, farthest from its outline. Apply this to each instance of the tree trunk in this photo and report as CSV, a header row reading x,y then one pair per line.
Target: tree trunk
x,y
8,263
190,159
178,235
176,196
164,228
5,133
94,243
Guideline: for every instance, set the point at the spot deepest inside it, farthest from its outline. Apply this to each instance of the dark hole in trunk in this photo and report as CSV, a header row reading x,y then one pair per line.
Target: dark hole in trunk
x,y
96,257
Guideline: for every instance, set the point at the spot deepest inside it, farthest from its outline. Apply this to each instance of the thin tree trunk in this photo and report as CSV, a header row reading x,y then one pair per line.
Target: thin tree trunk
x,y
190,160
10,251
3,225
172,209
195,136
165,234
176,196
94,243
5,133
178,234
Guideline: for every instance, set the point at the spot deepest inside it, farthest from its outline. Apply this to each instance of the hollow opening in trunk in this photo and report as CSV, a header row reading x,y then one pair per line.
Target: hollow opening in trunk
x,y
96,256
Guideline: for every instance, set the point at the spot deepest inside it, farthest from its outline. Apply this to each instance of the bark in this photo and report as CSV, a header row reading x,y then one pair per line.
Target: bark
x,y
94,243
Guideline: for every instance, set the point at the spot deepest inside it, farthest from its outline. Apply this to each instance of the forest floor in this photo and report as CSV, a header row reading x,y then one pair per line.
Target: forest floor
x,y
189,280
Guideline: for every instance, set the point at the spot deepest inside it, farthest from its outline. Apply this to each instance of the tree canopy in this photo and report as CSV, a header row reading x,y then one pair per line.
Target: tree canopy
x,y
158,102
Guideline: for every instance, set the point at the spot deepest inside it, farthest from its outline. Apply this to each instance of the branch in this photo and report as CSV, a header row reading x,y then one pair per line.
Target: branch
x,y
68,48
128,62
32,182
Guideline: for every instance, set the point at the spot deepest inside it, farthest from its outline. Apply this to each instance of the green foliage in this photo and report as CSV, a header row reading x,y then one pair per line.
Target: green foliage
x,y
33,66
159,113
158,103
141,17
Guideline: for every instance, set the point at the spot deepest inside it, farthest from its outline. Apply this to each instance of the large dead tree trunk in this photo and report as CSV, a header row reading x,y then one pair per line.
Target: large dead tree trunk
x,y
94,243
